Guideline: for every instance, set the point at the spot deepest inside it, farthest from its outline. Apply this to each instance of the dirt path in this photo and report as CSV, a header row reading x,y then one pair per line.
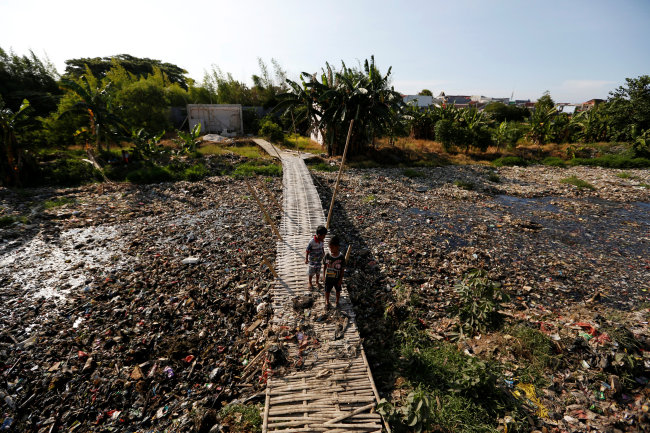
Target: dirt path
x,y
330,388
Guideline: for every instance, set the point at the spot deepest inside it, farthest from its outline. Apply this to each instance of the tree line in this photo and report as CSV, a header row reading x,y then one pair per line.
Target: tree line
x,y
104,100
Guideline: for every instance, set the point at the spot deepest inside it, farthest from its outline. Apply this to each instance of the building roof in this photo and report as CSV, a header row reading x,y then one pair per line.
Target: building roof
x,y
418,100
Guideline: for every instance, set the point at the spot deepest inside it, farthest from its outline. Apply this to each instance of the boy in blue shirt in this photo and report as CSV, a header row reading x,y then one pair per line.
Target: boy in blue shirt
x,y
315,252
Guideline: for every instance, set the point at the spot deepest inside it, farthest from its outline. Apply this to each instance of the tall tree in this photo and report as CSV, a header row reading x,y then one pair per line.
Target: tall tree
x,y
12,156
28,77
425,92
140,67
629,108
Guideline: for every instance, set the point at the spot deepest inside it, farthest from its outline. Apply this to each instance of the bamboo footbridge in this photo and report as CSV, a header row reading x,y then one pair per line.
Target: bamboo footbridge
x,y
332,389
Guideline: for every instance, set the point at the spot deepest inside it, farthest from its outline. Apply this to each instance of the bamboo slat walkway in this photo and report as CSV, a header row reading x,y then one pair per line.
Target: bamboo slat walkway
x,y
332,390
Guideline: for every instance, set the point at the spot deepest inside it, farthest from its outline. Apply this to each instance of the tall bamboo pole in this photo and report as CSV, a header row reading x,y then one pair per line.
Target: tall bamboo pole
x,y
266,214
338,178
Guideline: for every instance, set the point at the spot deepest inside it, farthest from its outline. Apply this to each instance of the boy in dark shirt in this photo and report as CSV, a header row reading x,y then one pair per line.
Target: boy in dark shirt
x,y
333,270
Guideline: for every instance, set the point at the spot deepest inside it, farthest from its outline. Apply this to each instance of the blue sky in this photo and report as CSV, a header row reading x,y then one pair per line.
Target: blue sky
x,y
576,49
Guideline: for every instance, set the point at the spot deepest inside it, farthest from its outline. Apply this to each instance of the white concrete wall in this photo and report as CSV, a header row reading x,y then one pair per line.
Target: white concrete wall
x,y
224,119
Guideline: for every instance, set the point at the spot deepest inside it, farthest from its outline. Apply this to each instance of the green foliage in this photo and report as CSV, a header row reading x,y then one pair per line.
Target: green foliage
x,y
146,146
493,177
449,134
196,172
415,415
255,168
641,146
612,161
425,92
188,141
144,104
28,77
370,198
501,112
535,348
581,184
271,130
509,161
628,108
478,305
251,121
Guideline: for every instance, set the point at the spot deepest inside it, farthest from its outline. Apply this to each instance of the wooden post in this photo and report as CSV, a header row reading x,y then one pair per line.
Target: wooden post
x,y
338,178
347,255
266,215
268,264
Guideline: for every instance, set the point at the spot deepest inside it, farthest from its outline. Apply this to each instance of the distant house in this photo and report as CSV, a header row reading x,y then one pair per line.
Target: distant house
x,y
421,101
460,101
590,104
566,108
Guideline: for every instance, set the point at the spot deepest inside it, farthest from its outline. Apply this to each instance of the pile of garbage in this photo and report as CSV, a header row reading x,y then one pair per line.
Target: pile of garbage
x,y
574,262
135,308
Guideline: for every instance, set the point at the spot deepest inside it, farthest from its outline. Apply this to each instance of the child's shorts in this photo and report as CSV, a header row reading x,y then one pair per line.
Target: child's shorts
x,y
328,287
314,269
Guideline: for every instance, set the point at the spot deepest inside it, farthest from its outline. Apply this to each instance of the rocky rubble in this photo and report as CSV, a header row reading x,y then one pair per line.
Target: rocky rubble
x,y
133,308
575,263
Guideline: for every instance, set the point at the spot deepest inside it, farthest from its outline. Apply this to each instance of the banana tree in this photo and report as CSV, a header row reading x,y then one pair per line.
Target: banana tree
x,y
12,156
95,101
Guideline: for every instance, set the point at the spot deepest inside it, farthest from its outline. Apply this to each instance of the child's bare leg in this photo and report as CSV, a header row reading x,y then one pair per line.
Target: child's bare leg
x,y
310,284
317,283
338,295
327,299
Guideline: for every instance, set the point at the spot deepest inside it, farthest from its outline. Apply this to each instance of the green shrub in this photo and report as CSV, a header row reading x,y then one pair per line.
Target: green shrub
x,y
493,177
581,184
196,172
412,173
509,161
479,303
612,161
449,134
154,174
463,184
7,220
272,131
554,161
534,347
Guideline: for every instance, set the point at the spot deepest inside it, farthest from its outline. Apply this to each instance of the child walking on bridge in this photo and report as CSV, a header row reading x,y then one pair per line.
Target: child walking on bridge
x,y
315,252
333,271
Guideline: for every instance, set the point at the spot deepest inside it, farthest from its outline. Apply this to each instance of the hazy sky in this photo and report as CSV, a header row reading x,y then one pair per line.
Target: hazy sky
x,y
576,49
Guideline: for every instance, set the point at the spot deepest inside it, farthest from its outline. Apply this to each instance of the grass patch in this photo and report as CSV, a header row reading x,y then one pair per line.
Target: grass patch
x,y
196,172
412,173
624,175
612,161
323,166
581,184
554,161
303,144
249,151
493,177
49,204
645,185
69,172
509,161
534,347
255,168
7,220
458,392
211,149
241,418
463,184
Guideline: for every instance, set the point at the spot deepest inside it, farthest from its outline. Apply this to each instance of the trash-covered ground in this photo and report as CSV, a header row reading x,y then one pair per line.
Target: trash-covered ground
x,y
133,308
575,262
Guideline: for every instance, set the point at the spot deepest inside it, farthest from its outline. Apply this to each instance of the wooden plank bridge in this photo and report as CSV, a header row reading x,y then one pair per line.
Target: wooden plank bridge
x,y
331,387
